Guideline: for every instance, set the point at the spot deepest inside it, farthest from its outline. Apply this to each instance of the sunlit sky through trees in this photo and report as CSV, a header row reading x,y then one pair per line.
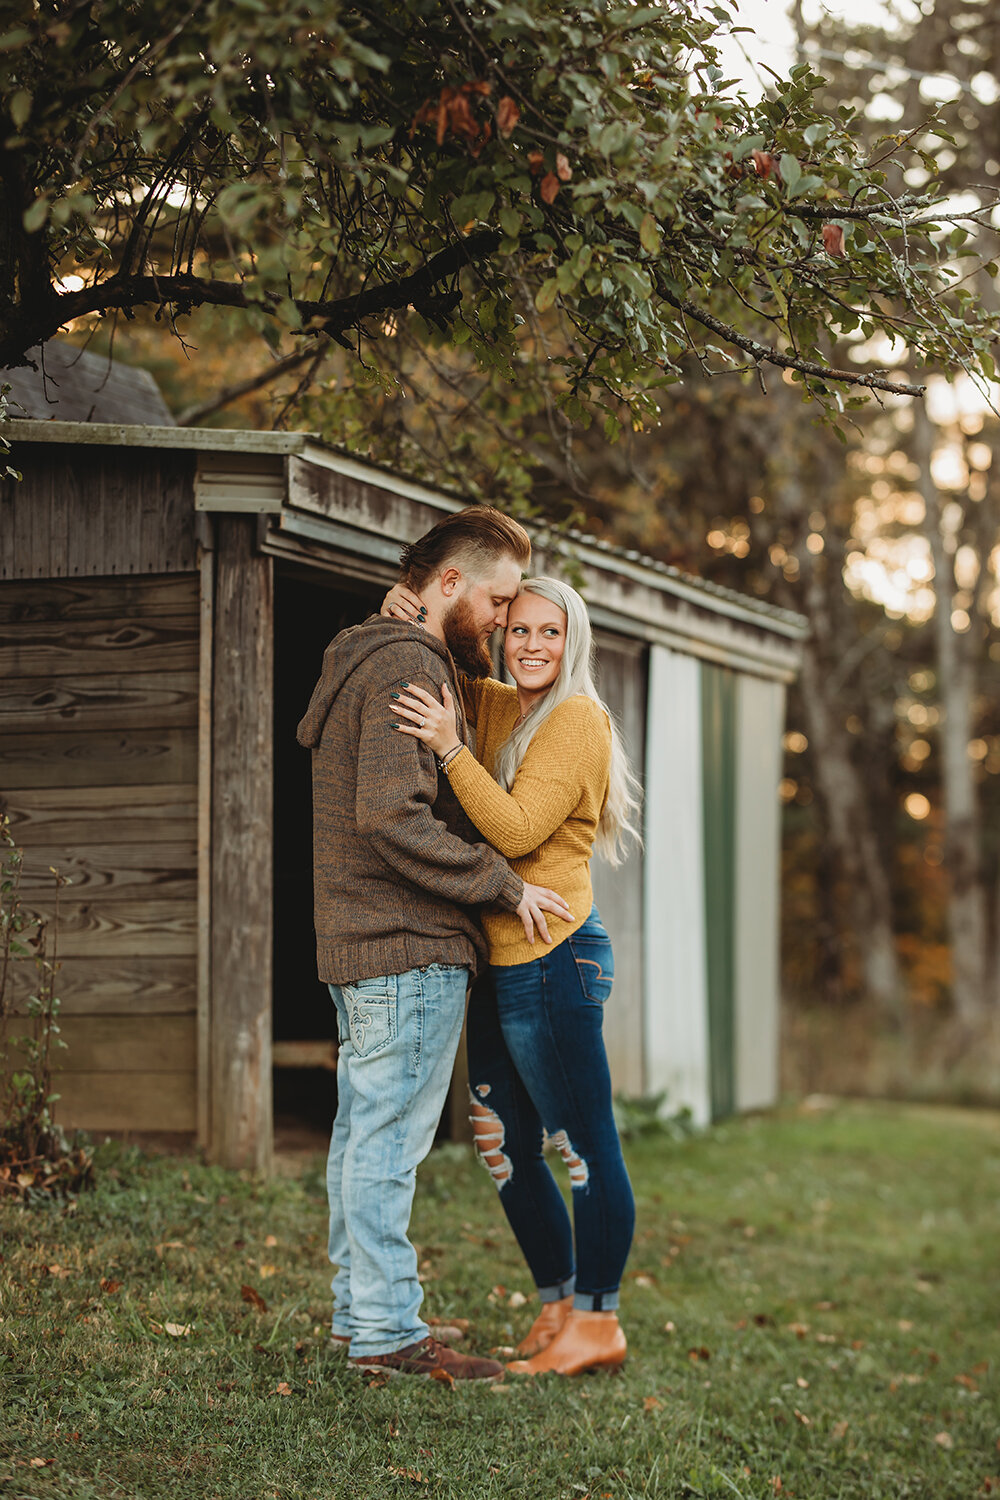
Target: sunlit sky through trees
x,y
891,564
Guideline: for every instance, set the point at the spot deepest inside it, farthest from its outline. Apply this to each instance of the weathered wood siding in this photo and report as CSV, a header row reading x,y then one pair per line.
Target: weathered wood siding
x,y
98,771
83,511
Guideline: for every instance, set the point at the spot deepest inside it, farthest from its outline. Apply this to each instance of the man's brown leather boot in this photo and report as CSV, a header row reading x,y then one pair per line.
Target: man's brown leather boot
x,y
432,1360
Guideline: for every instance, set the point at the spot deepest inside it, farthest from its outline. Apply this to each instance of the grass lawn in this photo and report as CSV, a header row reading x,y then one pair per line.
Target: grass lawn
x,y
811,1304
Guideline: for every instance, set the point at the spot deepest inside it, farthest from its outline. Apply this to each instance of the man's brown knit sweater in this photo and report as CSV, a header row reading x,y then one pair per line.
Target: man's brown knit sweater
x,y
396,863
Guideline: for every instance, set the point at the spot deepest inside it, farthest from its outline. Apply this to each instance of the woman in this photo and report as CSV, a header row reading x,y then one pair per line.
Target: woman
x,y
554,781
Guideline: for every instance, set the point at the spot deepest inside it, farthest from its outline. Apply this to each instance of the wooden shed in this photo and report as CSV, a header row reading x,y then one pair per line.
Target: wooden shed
x,y
165,598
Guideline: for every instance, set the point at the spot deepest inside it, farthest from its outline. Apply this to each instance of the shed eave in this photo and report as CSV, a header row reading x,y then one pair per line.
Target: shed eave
x,y
314,450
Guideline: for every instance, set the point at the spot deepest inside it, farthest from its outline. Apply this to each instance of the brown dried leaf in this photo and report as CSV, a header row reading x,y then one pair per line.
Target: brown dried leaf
x,y
563,169
536,162
282,1388
839,1430
652,1403
508,115
414,1475
178,1330
833,241
443,1375
41,1463
801,1417
699,1353
549,188
251,1295
944,1440
168,1245
109,1287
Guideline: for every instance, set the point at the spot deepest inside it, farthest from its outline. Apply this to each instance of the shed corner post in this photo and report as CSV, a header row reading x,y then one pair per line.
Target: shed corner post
x,y
240,1107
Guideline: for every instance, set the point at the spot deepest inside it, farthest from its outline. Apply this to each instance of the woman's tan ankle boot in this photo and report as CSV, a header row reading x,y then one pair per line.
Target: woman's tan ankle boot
x,y
586,1341
545,1327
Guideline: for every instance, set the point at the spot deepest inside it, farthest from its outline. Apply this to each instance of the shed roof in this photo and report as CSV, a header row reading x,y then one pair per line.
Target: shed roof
x,y
72,385
311,446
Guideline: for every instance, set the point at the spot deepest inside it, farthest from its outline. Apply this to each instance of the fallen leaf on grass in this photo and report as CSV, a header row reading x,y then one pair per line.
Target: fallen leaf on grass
x,y
266,1271
670,1328
944,1440
282,1388
60,1272
178,1330
109,1287
967,1381
699,1353
905,1325
652,1403
517,1299
801,1417
839,1430
799,1329
641,1279
168,1245
41,1463
414,1475
270,1242
251,1295
444,1376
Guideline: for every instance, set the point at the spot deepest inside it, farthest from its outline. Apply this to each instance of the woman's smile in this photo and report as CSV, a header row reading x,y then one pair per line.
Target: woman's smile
x,y
534,645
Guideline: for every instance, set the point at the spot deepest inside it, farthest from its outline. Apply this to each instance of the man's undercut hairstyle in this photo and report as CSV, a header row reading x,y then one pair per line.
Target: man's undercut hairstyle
x,y
472,540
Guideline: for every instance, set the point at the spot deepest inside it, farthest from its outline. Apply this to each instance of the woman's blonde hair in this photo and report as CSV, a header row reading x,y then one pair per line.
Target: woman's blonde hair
x,y
576,675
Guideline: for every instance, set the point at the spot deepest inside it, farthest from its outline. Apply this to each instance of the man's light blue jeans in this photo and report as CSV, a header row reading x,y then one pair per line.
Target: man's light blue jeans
x,y
398,1038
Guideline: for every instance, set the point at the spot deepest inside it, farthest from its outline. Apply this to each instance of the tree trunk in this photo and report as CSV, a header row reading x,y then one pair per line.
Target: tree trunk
x,y
967,910
854,842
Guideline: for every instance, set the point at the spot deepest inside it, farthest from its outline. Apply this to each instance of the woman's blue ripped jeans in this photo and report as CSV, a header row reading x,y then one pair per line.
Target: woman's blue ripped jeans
x,y
537,1065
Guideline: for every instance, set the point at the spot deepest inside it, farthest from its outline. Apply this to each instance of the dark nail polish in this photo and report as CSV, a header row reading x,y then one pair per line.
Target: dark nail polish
x,y
404,684
393,695
393,726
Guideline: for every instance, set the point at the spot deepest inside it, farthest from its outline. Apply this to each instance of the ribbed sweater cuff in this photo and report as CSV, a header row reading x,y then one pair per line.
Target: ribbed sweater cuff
x,y
511,891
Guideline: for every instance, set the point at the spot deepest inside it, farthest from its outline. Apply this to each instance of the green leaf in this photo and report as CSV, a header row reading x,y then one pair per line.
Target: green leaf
x,y
546,294
634,278
649,235
790,171
37,215
20,107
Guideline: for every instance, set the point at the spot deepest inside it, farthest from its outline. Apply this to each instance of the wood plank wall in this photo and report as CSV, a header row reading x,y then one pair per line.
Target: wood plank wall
x,y
98,771
99,767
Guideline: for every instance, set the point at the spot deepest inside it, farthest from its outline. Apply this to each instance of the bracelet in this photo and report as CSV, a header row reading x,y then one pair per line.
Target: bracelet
x,y
445,762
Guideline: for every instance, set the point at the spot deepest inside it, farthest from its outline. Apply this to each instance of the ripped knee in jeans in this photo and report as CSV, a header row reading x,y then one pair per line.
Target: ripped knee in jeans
x,y
579,1172
490,1136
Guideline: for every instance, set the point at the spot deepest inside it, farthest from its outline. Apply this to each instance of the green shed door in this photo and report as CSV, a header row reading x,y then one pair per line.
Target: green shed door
x,y
718,727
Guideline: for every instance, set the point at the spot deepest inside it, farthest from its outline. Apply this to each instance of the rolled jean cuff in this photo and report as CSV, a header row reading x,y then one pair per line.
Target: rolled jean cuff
x,y
360,1350
557,1292
595,1301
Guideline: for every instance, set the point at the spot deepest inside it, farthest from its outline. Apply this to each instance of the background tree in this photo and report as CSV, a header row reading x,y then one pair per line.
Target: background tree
x,y
457,169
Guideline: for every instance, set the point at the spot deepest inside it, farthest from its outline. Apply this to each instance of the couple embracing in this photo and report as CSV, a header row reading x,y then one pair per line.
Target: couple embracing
x,y
433,864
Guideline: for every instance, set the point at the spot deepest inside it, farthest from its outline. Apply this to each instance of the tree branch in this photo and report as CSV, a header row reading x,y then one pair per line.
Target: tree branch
x,y
191,415
765,354
184,292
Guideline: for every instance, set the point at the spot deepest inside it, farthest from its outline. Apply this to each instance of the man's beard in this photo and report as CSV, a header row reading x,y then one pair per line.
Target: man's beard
x,y
465,642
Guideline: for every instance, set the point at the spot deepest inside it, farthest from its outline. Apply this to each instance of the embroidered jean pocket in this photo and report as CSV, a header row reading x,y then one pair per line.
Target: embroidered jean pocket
x,y
371,1013
595,964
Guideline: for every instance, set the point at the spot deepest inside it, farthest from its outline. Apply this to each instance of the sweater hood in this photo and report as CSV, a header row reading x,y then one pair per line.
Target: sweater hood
x,y
350,650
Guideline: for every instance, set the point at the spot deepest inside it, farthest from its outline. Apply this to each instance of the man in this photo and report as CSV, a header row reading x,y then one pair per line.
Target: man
x,y
397,866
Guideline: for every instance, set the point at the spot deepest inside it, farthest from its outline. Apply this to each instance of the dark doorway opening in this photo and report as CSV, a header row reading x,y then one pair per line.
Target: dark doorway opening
x,y
310,608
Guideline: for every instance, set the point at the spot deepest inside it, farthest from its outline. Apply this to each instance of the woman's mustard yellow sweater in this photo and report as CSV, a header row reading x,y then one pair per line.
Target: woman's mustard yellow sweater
x,y
545,825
